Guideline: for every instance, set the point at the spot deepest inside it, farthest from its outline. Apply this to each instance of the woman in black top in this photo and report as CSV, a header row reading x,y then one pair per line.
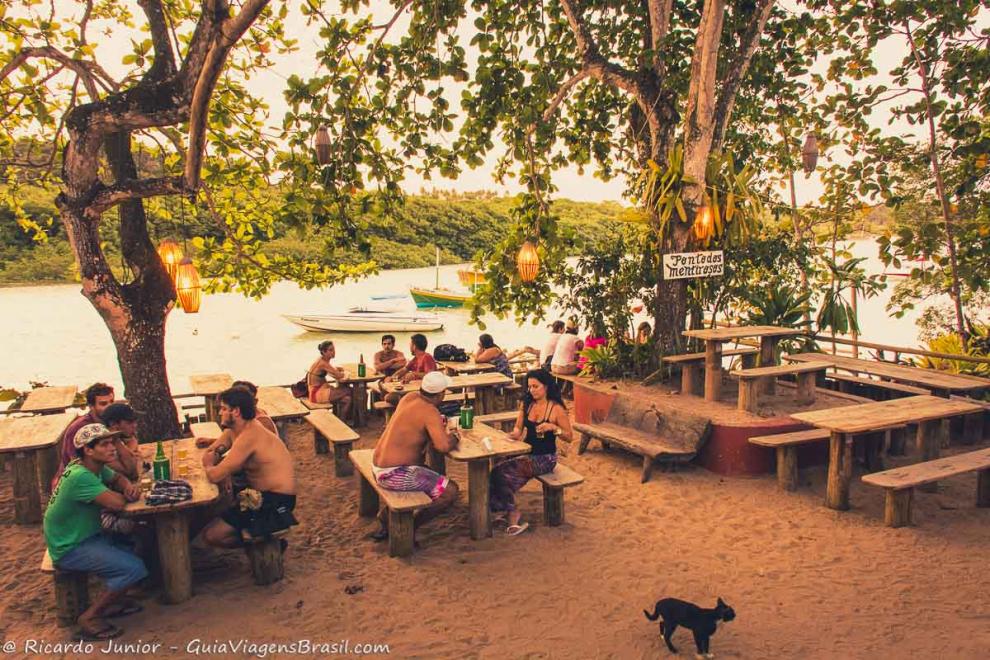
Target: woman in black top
x,y
541,421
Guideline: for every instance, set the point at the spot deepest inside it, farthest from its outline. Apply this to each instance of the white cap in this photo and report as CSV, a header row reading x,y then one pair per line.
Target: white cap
x,y
91,432
435,382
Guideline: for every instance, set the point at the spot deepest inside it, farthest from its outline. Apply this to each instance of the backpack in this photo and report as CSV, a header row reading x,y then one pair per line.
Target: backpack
x,y
449,353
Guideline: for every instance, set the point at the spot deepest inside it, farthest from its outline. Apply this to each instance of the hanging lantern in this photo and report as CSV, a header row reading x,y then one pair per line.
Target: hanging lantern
x,y
809,153
187,285
322,145
528,262
171,254
704,223
981,161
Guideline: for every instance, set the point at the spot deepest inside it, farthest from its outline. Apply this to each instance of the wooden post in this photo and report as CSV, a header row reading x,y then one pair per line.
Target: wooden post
x,y
71,596
748,397
768,358
359,403
583,445
48,462
983,488
749,360
839,471
479,472
320,444
689,378
647,469
342,466
972,428
265,556
211,407
806,387
787,468
553,506
27,490
172,530
872,446
401,533
897,441
929,447
367,498
713,370
897,507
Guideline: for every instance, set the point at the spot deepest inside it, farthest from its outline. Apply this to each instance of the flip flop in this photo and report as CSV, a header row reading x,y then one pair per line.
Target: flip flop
x,y
123,609
109,631
516,530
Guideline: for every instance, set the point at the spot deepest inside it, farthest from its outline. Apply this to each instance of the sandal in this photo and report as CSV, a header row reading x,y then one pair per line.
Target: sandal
x,y
108,631
125,608
516,530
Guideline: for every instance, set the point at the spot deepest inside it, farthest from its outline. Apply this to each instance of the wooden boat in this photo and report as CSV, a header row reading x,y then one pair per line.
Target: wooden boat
x,y
438,297
470,277
365,320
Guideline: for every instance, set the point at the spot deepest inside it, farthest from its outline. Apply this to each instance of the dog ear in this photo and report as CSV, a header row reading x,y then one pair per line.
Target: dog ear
x,y
721,602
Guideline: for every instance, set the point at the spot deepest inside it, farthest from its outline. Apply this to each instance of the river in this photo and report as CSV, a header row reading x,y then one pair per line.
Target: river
x,y
52,334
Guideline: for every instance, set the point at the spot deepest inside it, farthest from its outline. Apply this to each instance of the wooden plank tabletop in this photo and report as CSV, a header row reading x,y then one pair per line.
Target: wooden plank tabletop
x,y
469,367
205,430
938,380
886,414
47,399
279,403
37,432
203,491
726,334
471,448
209,384
909,476
332,428
352,378
779,370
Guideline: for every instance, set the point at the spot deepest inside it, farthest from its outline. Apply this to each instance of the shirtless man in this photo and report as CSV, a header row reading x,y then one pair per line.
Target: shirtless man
x,y
398,458
226,439
320,391
266,463
388,360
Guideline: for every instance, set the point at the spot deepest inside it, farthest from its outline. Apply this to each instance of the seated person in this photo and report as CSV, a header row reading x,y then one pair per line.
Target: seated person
x,y
320,391
98,397
421,364
644,333
222,443
121,419
73,535
541,421
269,470
565,356
388,360
398,459
489,353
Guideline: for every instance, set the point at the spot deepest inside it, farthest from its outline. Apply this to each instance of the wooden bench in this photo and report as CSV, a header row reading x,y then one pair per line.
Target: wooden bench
x,y
641,430
209,430
786,445
385,408
693,364
554,484
511,394
400,505
899,483
874,389
266,556
71,592
500,420
750,379
328,429
337,407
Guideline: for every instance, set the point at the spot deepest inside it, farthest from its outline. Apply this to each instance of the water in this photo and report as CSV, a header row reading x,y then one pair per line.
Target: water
x,y
52,333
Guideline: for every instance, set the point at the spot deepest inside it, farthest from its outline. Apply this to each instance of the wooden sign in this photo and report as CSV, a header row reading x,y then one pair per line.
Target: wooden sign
x,y
682,265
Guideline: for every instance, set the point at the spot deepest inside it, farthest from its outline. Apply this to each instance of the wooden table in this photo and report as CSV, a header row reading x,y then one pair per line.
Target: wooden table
x,y
34,443
50,399
484,386
279,403
479,460
209,386
463,368
172,520
845,422
359,390
714,338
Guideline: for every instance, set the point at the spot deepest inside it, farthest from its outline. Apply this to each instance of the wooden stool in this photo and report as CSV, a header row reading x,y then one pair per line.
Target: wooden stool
x,y
71,592
265,555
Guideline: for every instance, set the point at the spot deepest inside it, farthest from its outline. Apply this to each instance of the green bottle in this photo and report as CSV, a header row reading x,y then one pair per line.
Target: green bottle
x,y
361,368
161,467
467,414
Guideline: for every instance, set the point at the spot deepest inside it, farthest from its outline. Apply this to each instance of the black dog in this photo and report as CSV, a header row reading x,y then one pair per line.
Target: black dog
x,y
702,622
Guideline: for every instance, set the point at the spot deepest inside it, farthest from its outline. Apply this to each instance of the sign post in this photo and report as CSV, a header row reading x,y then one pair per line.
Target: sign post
x,y
683,265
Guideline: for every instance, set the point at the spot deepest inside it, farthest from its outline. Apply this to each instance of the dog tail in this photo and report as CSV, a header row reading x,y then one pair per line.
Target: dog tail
x,y
655,615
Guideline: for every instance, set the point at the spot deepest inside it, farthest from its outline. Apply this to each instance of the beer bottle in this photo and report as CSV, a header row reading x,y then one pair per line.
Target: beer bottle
x,y
467,413
361,368
161,467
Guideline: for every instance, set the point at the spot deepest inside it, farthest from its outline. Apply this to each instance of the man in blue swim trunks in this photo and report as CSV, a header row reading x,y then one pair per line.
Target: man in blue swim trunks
x,y
398,458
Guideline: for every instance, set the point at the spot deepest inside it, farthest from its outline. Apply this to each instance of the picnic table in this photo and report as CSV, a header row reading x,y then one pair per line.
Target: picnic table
x,y
33,441
45,400
768,335
209,386
172,520
844,423
279,403
464,368
484,385
478,458
359,390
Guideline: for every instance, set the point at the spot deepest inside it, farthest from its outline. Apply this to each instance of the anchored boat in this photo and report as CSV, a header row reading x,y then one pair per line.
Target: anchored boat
x,y
366,320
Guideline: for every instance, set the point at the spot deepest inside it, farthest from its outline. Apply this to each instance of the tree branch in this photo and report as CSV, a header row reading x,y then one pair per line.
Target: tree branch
x,y
81,68
562,93
133,189
164,64
659,27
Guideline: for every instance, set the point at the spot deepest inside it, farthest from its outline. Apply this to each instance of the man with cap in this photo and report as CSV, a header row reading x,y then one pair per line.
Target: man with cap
x,y
543,356
398,459
73,535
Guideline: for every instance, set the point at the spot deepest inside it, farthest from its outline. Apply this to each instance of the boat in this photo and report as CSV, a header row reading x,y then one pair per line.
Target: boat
x,y
426,298
367,320
470,277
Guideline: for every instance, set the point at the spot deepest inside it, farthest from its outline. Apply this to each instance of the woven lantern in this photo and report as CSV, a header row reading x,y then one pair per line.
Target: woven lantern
x,y
187,285
809,153
704,223
981,161
528,262
322,145
171,254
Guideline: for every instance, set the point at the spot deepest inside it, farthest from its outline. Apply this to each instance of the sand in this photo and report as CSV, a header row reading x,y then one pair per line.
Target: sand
x,y
805,581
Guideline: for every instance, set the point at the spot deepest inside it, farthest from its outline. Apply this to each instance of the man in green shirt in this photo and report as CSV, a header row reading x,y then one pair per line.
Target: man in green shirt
x,y
73,532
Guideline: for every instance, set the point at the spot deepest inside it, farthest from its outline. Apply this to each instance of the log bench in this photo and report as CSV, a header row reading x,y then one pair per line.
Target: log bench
x,y
874,389
327,430
266,556
337,407
400,505
504,421
787,445
554,484
641,430
899,483
71,592
693,364
750,379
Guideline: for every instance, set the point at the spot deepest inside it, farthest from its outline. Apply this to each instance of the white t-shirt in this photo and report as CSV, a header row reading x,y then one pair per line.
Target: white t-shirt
x,y
565,352
549,346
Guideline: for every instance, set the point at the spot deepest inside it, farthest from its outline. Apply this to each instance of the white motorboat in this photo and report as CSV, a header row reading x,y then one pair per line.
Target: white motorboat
x,y
360,319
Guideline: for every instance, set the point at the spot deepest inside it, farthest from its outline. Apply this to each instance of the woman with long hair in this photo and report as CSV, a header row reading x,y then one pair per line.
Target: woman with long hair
x,y
541,421
490,353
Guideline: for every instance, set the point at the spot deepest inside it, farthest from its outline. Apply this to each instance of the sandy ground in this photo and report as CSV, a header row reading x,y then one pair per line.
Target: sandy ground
x,y
805,581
